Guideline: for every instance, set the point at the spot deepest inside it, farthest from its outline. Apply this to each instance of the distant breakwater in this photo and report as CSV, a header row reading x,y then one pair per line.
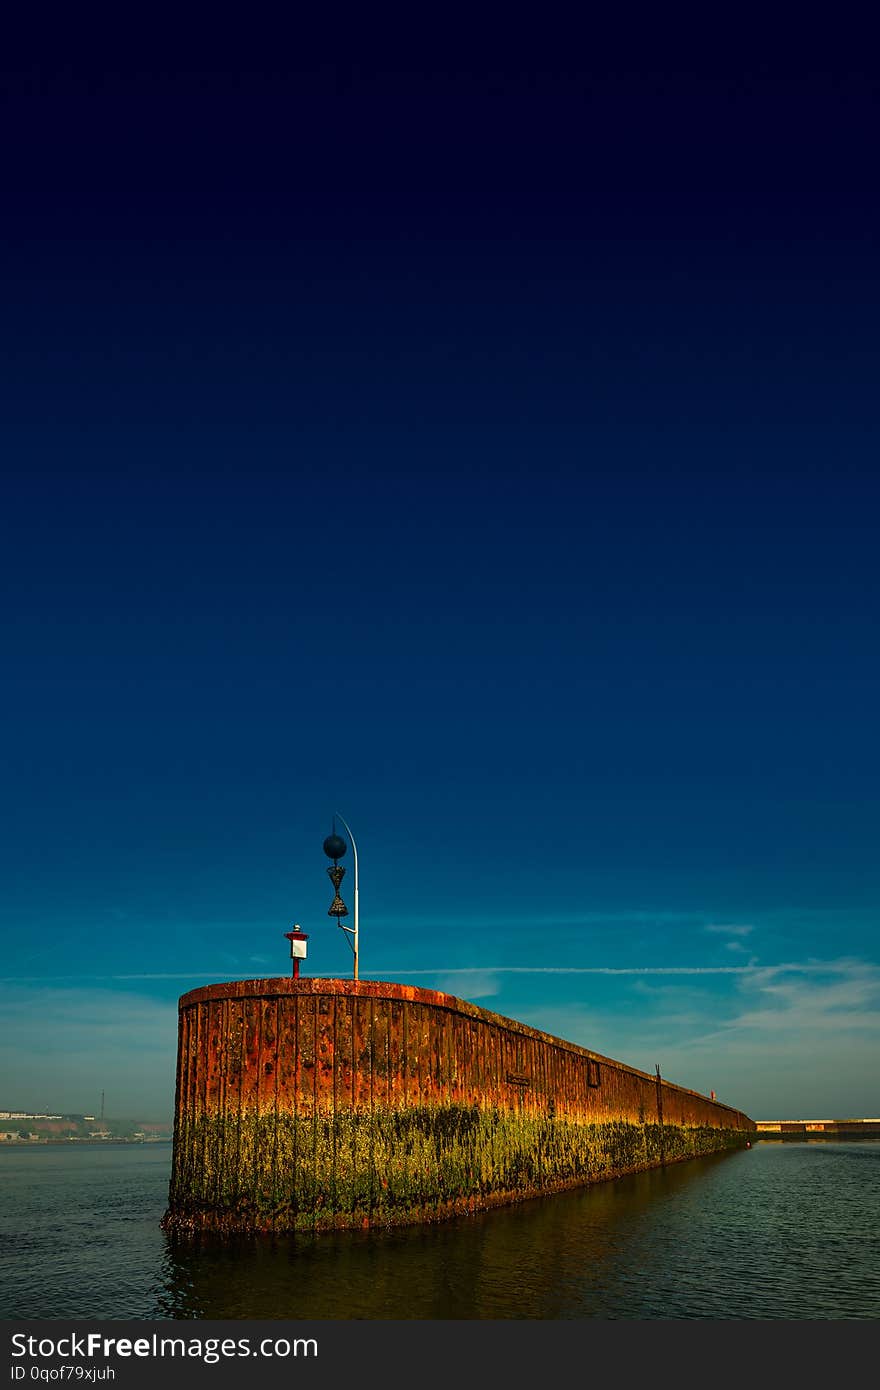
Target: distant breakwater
x,y
324,1103
820,1130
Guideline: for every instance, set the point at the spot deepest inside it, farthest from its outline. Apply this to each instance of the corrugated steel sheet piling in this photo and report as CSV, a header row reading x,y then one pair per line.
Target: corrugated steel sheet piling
x,y
307,1104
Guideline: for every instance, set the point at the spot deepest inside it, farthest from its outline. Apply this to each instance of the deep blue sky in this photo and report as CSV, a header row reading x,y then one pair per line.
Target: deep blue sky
x,y
483,446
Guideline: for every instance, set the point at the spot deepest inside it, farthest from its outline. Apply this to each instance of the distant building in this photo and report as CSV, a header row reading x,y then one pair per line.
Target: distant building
x,y
27,1115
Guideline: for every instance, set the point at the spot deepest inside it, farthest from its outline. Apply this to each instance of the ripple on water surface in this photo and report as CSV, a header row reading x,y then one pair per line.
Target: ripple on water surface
x,y
781,1230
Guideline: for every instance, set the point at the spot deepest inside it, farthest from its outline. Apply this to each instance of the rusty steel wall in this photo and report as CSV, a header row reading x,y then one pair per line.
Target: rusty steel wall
x,y
309,1102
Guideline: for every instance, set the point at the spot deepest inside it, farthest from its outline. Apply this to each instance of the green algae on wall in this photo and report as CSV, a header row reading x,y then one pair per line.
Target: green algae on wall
x,y
292,1175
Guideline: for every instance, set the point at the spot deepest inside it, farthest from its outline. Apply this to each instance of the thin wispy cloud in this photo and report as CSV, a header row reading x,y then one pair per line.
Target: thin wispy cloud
x,y
730,928
209,975
802,967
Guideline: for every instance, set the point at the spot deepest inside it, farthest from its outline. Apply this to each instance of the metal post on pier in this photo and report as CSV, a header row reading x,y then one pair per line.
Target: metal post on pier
x,y
334,848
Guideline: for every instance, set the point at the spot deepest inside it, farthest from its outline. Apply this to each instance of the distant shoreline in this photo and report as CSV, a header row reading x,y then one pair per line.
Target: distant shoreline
x,y
77,1143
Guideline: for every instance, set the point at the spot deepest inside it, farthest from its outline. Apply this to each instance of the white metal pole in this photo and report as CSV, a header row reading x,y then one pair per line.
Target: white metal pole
x,y
354,849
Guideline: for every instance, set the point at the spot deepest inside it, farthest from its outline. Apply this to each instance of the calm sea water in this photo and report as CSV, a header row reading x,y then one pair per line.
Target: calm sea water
x,y
776,1231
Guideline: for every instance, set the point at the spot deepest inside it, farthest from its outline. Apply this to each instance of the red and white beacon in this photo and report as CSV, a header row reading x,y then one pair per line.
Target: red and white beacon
x,y
298,948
